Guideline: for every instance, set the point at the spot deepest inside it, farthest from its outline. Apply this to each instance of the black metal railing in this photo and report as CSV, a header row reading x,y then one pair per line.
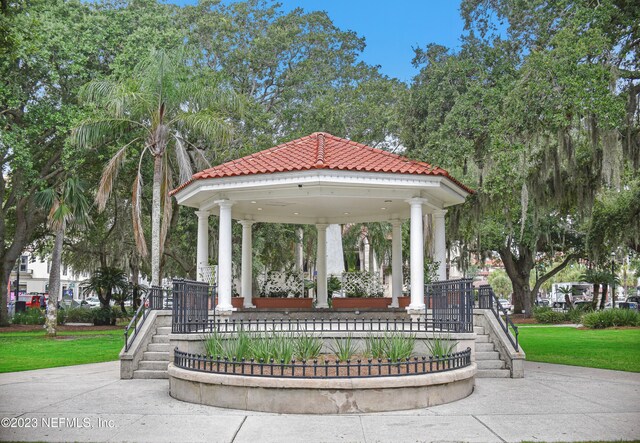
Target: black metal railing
x,y
191,304
157,298
359,368
451,302
361,324
488,300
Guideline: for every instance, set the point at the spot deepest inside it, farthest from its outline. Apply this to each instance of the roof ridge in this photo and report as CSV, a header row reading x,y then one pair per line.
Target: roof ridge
x,y
319,150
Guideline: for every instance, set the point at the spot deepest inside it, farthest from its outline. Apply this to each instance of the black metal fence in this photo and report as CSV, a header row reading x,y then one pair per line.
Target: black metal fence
x,y
361,324
191,304
358,368
157,298
451,303
488,300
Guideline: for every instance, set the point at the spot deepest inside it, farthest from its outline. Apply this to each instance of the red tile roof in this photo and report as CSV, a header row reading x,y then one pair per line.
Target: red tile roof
x,y
320,151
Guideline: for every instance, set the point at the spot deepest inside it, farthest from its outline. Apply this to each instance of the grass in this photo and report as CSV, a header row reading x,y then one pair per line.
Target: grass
x,y
617,349
23,351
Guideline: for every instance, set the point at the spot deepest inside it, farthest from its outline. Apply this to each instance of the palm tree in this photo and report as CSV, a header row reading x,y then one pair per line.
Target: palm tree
x,y
67,206
105,282
162,106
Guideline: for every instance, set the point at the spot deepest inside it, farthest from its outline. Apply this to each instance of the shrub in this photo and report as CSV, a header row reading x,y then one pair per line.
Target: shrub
x,y
103,317
283,347
548,316
31,316
237,347
399,346
610,318
77,315
344,348
213,344
575,315
307,347
441,346
375,346
261,348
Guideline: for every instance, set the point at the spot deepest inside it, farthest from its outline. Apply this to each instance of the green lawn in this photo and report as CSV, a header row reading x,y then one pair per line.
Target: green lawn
x,y
22,351
605,348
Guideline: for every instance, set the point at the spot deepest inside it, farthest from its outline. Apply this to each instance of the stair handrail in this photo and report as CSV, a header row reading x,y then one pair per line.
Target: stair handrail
x,y
152,301
487,299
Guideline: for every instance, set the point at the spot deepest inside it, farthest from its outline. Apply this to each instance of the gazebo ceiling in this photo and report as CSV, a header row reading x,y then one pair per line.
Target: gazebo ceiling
x,y
321,178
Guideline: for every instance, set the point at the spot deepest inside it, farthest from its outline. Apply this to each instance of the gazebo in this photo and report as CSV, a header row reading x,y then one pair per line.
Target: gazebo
x,y
321,179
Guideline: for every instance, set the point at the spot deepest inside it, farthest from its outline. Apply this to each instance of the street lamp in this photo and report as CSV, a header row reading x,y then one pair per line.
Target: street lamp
x,y
613,283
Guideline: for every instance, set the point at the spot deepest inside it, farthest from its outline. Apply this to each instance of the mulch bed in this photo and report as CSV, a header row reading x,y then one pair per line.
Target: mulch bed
x,y
61,328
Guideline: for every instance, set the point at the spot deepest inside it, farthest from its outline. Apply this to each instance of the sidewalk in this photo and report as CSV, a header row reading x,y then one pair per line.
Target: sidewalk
x,y
90,403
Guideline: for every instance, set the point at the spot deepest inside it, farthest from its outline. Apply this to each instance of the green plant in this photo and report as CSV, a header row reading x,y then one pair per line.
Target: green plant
x,y
77,315
575,315
31,316
375,346
344,347
238,346
104,317
283,348
440,346
611,318
548,316
261,348
333,285
307,347
213,344
399,346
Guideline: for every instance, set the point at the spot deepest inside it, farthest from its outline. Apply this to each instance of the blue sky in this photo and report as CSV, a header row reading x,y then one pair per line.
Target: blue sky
x,y
391,27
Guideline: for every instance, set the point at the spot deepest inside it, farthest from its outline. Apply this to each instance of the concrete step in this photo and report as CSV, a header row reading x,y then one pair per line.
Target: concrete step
x,y
492,373
155,356
478,330
163,330
492,355
490,364
160,339
482,339
149,374
484,347
153,365
159,347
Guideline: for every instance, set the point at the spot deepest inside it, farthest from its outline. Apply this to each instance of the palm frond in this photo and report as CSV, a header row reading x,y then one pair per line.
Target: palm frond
x,y
97,130
109,174
75,197
136,203
97,91
206,125
184,162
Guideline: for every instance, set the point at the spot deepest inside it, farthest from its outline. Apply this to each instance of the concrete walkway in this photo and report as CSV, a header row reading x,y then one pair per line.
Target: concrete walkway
x,y
90,403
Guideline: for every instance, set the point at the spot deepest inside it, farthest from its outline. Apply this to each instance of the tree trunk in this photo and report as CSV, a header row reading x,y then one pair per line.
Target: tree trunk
x,y
54,283
519,270
155,221
603,300
596,293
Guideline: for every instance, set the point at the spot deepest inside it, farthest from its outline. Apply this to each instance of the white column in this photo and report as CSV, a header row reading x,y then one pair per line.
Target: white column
x,y
440,244
417,255
247,266
202,251
225,276
321,266
396,262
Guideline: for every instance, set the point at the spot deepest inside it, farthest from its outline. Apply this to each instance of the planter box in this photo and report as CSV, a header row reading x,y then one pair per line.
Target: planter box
x,y
236,302
403,302
361,303
282,303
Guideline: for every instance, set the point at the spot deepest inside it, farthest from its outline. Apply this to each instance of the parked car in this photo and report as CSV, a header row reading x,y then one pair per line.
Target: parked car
x,y
506,304
629,305
32,300
543,302
91,302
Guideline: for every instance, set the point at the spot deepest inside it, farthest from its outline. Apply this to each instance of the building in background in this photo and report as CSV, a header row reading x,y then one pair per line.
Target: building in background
x,y
32,276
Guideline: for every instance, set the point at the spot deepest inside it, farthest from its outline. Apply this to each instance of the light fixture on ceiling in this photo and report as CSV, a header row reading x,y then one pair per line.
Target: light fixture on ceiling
x,y
253,202
346,213
296,213
387,201
383,208
259,209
